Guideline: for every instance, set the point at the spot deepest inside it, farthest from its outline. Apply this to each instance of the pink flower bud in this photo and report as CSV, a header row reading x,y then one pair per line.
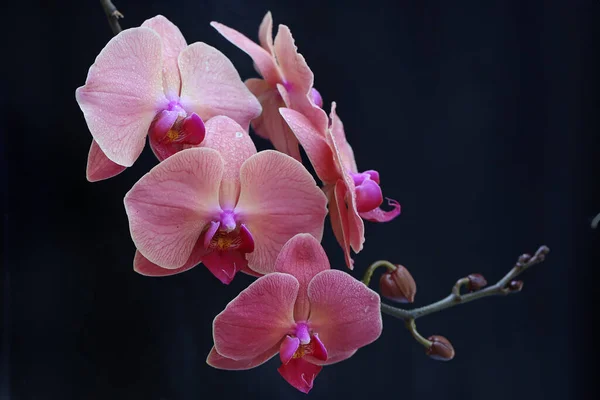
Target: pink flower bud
x,y
476,282
398,285
441,349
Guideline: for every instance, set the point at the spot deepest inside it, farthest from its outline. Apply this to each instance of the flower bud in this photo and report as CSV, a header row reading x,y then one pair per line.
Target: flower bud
x,y
441,349
476,282
398,285
515,286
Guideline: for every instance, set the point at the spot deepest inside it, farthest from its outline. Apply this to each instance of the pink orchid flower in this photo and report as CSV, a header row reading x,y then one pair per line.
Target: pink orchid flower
x,y
287,81
312,315
148,82
353,195
221,204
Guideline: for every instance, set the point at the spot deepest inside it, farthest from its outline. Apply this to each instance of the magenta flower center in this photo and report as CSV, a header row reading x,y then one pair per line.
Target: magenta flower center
x,y
302,342
368,192
173,129
228,235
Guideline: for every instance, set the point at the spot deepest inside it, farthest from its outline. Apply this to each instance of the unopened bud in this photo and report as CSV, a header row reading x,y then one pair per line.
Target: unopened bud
x,y
515,286
476,282
441,349
398,285
524,259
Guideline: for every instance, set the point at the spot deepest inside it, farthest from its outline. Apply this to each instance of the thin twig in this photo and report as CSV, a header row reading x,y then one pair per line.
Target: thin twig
x,y
504,286
113,15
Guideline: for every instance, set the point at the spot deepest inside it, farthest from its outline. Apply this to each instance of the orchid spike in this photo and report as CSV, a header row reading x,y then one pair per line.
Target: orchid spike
x,y
353,196
148,82
221,204
287,81
309,314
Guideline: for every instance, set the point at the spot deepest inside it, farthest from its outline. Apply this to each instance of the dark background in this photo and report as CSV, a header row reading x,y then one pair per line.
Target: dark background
x,y
481,117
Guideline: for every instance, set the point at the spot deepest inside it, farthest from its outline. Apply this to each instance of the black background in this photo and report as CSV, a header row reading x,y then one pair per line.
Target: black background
x,y
481,117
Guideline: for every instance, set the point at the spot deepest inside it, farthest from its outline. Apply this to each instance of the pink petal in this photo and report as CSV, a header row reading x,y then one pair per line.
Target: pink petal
x,y
300,373
278,199
263,59
356,228
378,215
211,86
317,149
288,347
99,167
173,44
270,125
169,207
143,266
331,359
216,360
298,79
338,215
344,312
235,146
122,93
257,319
303,257
337,130
265,32
225,264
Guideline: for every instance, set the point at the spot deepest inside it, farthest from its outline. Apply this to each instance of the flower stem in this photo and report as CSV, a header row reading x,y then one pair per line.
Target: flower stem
x,y
113,15
504,286
381,263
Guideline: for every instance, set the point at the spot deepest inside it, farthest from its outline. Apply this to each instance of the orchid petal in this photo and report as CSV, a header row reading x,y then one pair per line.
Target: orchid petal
x,y
378,215
265,32
169,206
337,357
300,373
288,347
224,264
99,167
210,86
263,59
344,311
143,266
278,199
270,125
317,149
303,257
338,215
122,93
257,319
235,146
216,360
298,79
337,130
173,43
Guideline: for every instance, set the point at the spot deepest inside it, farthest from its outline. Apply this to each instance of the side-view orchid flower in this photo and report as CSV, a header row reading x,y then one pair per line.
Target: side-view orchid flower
x,y
221,204
309,314
353,196
148,82
287,81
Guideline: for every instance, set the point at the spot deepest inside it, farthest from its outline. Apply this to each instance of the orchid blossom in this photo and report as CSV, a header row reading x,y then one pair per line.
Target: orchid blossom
x,y
287,81
221,204
309,314
353,195
148,82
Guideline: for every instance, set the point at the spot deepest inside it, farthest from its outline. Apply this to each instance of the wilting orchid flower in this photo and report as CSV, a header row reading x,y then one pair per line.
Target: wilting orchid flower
x,y
353,196
310,314
148,82
287,81
223,205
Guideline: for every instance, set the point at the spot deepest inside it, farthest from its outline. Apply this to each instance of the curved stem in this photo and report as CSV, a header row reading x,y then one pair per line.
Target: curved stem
x,y
381,263
113,15
503,287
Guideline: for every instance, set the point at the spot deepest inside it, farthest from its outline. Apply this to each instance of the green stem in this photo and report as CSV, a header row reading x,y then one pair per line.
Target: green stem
x,y
381,263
